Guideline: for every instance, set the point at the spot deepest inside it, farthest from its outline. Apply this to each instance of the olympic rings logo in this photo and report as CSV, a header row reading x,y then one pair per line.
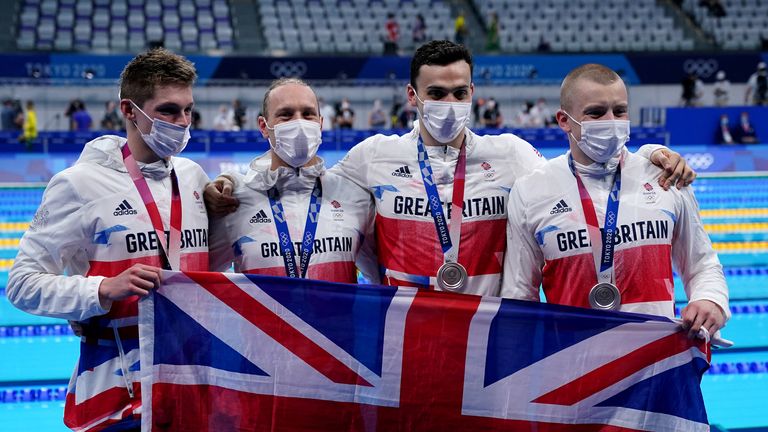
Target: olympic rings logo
x,y
611,217
699,161
288,69
703,68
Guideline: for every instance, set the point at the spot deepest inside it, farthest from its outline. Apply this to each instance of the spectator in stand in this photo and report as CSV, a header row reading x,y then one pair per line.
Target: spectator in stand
x,y
544,45
394,112
460,28
419,32
723,134
81,119
377,118
239,114
477,111
112,120
197,120
30,126
692,90
392,35
524,118
8,115
722,89
345,116
18,116
492,43
715,7
492,115
757,86
744,133
407,116
225,119
541,115
328,114
71,108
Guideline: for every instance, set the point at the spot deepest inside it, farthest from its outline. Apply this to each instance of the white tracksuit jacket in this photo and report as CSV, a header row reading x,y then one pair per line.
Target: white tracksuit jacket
x,y
90,225
548,242
249,237
406,238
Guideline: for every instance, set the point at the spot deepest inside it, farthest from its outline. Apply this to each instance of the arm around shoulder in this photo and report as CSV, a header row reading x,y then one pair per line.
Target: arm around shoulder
x,y
523,259
355,164
527,156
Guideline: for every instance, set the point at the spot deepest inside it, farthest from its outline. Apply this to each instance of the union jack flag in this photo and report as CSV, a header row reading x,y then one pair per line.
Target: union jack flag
x,y
224,351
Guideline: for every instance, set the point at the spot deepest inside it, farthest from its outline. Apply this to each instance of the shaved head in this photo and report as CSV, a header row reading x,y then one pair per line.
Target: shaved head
x,y
592,72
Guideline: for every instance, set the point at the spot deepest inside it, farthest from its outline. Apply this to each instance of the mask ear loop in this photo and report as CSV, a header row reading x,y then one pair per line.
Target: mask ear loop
x,y
135,123
574,120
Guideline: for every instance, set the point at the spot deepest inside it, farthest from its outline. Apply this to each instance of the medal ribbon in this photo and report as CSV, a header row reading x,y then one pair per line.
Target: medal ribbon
x,y
170,246
449,237
284,236
602,243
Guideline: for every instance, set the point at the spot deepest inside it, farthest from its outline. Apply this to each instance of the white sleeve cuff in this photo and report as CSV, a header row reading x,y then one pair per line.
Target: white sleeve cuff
x,y
92,287
716,298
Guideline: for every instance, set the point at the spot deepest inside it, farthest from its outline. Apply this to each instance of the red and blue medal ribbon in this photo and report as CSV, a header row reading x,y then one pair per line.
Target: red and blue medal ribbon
x,y
602,242
449,238
284,236
170,245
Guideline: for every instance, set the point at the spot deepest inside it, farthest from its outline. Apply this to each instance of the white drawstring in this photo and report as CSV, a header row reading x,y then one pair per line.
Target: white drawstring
x,y
123,367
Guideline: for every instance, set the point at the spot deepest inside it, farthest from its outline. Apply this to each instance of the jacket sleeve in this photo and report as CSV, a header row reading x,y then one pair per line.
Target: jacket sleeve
x,y
525,158
220,254
694,257
367,259
647,150
523,260
354,166
47,277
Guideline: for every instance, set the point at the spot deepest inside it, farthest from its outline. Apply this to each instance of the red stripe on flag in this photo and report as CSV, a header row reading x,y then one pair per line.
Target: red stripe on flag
x,y
274,326
198,408
434,355
105,404
612,372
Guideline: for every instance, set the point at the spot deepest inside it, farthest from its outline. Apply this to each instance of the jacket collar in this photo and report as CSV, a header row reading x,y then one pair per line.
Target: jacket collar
x,y
261,178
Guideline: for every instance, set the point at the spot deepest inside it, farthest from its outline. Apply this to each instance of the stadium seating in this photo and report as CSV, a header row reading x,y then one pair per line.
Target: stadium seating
x,y
358,26
744,26
347,25
585,25
124,25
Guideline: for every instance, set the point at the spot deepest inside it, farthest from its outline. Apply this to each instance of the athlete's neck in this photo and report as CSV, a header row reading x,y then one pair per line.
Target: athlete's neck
x,y
429,141
277,162
579,156
140,151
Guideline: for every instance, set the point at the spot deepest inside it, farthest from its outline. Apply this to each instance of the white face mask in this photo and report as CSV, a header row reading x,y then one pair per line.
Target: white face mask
x,y
602,139
445,120
164,138
296,141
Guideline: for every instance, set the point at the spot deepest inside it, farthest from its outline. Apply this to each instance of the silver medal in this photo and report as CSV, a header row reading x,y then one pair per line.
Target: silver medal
x,y
605,296
451,276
